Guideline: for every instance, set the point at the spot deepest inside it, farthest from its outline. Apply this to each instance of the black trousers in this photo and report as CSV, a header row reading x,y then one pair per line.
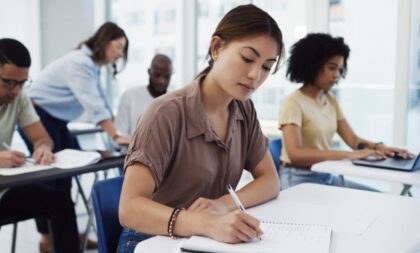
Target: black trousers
x,y
38,201
62,138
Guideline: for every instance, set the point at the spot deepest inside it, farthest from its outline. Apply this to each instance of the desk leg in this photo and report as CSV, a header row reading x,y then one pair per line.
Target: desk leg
x,y
89,224
89,210
82,193
406,190
14,237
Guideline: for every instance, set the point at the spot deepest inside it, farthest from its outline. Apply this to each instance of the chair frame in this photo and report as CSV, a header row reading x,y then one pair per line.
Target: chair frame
x,y
275,146
106,196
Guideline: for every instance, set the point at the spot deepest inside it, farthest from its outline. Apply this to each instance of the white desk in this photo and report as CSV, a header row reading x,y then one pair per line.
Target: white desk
x,y
395,227
346,168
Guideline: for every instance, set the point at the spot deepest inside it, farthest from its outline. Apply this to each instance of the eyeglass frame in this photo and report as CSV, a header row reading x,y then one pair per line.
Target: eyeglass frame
x,y
11,84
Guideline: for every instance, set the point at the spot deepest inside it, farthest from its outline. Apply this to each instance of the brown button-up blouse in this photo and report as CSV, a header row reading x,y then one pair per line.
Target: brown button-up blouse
x,y
187,160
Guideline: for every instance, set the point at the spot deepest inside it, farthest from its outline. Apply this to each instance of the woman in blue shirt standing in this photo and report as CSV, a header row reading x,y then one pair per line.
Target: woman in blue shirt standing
x,y
70,86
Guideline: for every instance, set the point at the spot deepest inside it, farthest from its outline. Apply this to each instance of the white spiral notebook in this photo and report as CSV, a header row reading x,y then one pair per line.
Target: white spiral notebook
x,y
278,237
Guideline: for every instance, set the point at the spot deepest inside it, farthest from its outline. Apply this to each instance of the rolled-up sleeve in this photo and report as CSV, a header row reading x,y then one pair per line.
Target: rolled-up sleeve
x,y
290,113
153,142
27,114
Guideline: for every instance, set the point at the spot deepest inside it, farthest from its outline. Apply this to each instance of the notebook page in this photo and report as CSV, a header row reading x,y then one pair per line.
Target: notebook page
x,y
304,237
278,237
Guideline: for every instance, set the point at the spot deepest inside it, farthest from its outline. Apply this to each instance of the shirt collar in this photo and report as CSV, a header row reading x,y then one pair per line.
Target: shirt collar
x,y
86,50
197,121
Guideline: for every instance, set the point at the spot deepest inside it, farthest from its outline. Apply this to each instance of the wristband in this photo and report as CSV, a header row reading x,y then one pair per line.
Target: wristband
x,y
171,222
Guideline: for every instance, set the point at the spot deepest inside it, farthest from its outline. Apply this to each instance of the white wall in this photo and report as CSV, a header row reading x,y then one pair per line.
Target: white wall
x,y
19,19
64,25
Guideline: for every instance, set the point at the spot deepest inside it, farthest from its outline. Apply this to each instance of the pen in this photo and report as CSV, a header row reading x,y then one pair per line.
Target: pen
x,y
6,146
237,200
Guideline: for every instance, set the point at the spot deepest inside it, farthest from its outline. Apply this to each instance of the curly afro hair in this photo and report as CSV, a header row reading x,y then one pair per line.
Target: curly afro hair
x,y
309,55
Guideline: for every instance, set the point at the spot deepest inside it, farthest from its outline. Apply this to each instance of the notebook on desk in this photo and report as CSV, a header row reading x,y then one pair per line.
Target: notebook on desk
x,y
392,164
278,237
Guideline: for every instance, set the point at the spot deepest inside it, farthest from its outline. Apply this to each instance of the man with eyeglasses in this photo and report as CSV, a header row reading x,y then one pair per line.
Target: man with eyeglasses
x,y
16,108
135,101
32,201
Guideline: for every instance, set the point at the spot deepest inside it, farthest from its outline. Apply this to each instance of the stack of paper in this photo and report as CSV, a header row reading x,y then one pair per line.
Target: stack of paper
x,y
65,159
70,158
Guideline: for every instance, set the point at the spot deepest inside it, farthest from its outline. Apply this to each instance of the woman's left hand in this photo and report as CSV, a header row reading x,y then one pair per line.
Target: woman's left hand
x,y
213,206
395,152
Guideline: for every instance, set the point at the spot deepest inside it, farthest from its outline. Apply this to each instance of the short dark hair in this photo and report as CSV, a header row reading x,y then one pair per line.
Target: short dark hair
x,y
14,52
99,40
246,21
160,58
309,55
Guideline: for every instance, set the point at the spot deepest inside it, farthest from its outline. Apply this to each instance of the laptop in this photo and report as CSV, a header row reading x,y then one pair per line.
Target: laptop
x,y
408,165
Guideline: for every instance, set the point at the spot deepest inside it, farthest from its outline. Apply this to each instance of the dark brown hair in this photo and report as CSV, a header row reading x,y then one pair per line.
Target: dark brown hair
x,y
246,21
97,42
14,52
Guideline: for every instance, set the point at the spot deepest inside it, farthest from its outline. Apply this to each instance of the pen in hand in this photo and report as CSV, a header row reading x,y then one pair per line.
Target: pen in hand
x,y
27,159
6,146
237,200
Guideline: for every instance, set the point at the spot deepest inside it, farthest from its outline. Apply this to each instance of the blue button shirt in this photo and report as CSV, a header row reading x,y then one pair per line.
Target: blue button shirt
x,y
69,86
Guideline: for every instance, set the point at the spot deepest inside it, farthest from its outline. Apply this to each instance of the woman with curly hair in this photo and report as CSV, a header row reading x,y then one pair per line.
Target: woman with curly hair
x,y
310,116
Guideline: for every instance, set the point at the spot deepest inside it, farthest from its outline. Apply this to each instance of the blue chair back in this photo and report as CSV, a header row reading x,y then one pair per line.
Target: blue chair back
x,y
106,198
275,146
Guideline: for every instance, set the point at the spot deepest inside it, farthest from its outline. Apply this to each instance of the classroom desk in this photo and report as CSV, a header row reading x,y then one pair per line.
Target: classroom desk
x,y
81,128
394,228
346,168
55,173
52,174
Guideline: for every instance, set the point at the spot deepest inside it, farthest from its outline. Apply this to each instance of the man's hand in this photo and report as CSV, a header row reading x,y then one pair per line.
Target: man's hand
x,y
43,155
9,159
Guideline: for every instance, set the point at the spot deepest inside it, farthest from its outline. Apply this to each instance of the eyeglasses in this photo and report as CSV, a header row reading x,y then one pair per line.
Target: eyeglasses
x,y
10,83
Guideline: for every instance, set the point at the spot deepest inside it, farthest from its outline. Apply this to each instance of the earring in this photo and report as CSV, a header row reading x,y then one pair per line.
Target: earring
x,y
214,57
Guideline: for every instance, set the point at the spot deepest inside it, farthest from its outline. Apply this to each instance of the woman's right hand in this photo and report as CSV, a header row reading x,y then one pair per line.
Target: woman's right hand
x,y
123,140
363,153
234,227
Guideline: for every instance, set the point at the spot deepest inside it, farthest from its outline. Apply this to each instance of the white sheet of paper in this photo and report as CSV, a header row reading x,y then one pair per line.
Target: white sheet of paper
x,y
355,223
278,237
70,158
27,167
65,159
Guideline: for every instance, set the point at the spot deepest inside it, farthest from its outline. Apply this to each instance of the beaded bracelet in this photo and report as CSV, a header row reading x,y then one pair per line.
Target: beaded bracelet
x,y
171,222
